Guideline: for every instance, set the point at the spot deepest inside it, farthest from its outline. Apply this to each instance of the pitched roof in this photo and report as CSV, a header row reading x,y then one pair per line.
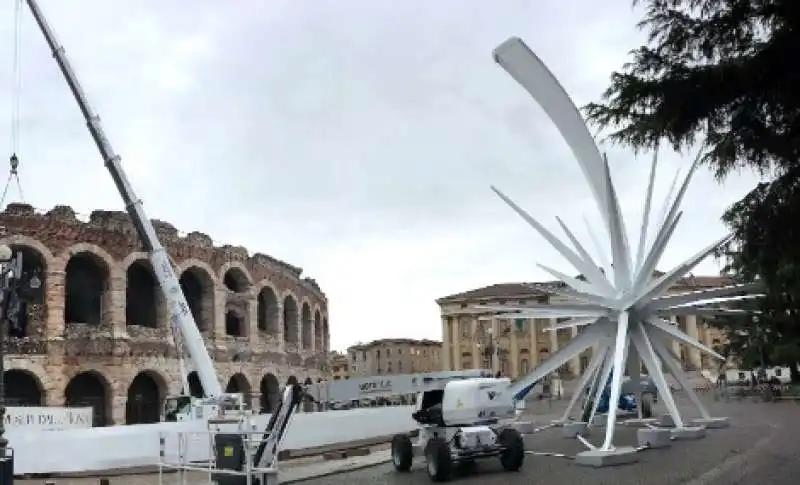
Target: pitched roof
x,y
535,289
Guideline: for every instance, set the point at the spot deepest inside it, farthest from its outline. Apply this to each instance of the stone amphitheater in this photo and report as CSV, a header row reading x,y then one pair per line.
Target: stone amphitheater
x,y
95,332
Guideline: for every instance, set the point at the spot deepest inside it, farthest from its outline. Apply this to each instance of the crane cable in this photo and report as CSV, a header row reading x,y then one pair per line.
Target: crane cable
x,y
16,90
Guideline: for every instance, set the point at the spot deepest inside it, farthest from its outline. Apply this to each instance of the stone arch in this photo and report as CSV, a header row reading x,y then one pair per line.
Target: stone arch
x,y
195,386
34,244
23,388
307,329
241,384
87,285
90,389
291,319
235,277
319,335
146,394
269,318
33,288
144,300
270,393
198,283
235,322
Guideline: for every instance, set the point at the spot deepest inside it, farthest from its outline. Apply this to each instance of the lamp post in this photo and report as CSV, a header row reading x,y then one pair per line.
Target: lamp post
x,y
11,277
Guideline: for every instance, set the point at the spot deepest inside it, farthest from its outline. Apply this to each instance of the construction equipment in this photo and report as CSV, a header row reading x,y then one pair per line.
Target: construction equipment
x,y
181,318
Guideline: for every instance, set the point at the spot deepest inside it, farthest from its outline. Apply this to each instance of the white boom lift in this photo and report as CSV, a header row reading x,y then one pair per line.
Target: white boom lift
x,y
463,416
181,319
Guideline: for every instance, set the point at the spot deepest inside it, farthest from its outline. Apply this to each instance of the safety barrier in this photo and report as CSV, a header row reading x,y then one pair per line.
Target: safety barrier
x,y
189,444
134,446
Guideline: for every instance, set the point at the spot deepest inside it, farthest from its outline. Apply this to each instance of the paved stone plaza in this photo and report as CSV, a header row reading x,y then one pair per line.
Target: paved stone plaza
x,y
760,447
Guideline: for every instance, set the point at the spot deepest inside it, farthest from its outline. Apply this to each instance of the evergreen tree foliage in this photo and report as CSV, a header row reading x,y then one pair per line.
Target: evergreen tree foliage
x,y
721,75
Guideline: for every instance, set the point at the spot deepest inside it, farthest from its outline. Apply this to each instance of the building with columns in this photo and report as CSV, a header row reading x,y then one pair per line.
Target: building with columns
x,y
394,356
514,347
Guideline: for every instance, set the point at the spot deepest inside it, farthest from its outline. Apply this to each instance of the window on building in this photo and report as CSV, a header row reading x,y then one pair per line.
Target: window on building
x,y
389,367
524,366
399,351
388,352
377,354
399,366
464,329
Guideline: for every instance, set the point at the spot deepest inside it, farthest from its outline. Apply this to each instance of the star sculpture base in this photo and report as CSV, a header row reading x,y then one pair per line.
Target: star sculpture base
x,y
621,304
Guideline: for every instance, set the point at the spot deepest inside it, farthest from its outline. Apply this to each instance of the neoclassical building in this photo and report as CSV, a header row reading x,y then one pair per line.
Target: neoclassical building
x,y
394,356
514,347
94,330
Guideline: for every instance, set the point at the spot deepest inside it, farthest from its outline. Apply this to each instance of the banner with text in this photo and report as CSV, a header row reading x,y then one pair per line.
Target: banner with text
x,y
47,419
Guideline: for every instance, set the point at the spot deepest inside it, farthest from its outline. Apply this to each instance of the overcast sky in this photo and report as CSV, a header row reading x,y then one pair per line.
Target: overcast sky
x,y
355,139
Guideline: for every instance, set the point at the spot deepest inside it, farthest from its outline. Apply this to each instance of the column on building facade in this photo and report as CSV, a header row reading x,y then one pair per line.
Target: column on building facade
x,y
553,336
575,363
447,345
514,354
534,327
694,353
495,345
477,358
676,346
455,332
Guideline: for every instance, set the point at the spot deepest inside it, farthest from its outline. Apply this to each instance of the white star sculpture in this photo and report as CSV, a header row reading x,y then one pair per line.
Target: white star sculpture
x,y
623,308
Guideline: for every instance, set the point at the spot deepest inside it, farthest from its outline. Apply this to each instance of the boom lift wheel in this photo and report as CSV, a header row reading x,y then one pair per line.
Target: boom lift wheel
x,y
402,452
647,405
513,454
438,461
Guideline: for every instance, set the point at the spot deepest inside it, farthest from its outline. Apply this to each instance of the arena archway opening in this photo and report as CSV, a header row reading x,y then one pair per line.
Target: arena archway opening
x,y
270,393
90,389
142,295
85,287
32,288
268,314
195,386
145,398
306,328
22,388
239,383
198,288
290,320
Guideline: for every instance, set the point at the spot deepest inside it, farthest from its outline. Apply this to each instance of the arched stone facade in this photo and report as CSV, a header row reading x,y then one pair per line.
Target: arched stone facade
x,y
83,344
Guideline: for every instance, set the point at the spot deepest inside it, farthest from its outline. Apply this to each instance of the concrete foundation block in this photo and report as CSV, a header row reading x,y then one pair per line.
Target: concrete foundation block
x,y
711,423
573,429
638,423
601,458
689,433
523,427
654,437
666,421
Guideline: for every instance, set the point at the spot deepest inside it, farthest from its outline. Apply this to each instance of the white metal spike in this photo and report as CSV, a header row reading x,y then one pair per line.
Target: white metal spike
x,y
647,268
596,275
601,252
574,283
567,253
677,334
616,229
646,213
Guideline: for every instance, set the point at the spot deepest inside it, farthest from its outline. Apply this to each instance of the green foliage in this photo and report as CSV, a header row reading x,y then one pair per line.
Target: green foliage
x,y
718,71
721,74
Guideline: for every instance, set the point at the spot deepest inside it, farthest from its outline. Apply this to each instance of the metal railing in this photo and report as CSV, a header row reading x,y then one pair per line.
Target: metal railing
x,y
188,471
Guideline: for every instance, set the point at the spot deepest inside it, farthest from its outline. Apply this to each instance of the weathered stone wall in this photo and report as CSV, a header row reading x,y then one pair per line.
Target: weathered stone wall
x,y
115,352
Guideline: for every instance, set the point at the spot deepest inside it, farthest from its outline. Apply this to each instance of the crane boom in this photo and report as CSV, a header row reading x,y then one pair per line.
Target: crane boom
x,y
180,313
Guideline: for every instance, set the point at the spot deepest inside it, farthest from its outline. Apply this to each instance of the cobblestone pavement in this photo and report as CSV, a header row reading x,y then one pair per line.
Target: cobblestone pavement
x,y
761,447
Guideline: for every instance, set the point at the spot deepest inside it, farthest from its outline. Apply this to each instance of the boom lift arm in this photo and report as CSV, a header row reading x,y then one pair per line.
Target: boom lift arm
x,y
181,315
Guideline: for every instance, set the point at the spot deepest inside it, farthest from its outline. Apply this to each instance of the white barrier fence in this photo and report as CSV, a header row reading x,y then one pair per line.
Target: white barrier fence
x,y
119,447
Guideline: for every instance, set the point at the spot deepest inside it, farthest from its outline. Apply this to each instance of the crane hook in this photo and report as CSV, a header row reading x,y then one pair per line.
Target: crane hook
x,y
14,161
